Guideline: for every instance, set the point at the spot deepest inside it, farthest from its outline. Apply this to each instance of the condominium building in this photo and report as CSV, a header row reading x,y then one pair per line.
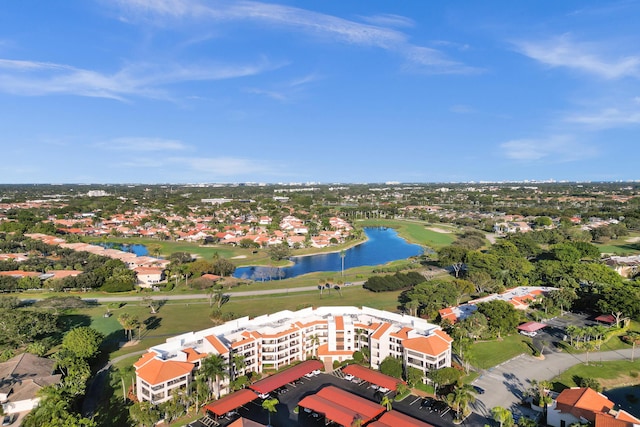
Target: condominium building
x,y
273,341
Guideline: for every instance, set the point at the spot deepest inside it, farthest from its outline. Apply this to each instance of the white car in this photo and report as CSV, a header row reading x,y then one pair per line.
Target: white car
x,y
529,334
349,377
317,372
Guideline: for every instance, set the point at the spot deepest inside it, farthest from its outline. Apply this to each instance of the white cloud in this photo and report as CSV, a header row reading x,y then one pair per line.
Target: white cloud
x,y
557,148
587,57
143,144
305,21
145,80
608,118
389,20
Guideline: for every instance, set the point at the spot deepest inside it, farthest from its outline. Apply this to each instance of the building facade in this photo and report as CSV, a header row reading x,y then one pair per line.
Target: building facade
x,y
273,341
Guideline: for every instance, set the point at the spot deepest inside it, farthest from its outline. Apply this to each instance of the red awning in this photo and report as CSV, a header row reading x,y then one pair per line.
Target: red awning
x,y
531,326
395,419
231,402
373,377
606,318
280,379
341,406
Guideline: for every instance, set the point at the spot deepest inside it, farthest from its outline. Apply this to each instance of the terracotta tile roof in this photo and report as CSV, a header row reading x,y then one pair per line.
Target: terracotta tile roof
x,y
432,345
157,371
323,350
144,359
231,401
606,420
583,402
402,333
217,344
374,377
625,416
193,355
397,419
339,323
381,331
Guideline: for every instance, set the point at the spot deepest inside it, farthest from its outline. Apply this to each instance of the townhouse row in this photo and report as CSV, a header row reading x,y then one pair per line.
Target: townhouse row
x,y
273,341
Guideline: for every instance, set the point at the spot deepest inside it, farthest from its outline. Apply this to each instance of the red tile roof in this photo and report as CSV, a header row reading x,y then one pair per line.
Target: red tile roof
x,y
583,402
372,376
276,381
432,345
231,401
217,344
397,419
341,406
157,371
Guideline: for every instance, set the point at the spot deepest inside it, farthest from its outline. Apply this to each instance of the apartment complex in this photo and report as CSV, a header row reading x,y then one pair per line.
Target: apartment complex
x,y
276,340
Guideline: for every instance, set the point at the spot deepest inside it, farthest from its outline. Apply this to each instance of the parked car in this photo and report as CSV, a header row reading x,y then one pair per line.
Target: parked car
x,y
8,420
348,377
529,334
478,390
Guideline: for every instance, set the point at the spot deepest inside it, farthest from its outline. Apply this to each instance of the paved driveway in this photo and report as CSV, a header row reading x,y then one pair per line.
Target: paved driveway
x,y
505,384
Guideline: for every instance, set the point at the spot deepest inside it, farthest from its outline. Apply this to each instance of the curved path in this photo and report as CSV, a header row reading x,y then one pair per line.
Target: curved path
x,y
506,383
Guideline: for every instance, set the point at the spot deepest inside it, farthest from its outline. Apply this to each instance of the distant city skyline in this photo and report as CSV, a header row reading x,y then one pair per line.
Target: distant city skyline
x,y
209,91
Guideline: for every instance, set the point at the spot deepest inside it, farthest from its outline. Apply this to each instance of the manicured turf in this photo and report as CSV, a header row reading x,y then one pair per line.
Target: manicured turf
x,y
598,370
621,246
415,232
491,353
177,317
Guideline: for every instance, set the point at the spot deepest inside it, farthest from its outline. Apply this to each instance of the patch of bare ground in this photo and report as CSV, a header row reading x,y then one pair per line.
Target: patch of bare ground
x,y
620,381
633,239
439,230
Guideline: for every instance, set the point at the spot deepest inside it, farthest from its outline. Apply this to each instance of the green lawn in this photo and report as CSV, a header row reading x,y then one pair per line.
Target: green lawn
x,y
621,246
620,370
491,353
415,232
177,317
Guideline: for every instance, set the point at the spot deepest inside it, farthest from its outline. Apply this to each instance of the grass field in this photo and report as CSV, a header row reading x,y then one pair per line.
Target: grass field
x,y
618,373
491,353
621,246
177,317
414,232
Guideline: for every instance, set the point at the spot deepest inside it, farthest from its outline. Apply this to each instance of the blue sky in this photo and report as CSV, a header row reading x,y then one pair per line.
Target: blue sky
x,y
183,91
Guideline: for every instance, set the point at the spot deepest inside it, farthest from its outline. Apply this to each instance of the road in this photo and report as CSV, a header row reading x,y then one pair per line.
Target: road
x,y
200,296
506,383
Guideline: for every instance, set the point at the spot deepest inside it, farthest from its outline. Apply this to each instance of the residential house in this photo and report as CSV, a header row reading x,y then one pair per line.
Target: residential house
x,y
21,377
586,406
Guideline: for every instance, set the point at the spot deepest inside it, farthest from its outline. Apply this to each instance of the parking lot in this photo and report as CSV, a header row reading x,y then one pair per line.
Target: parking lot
x,y
554,332
427,410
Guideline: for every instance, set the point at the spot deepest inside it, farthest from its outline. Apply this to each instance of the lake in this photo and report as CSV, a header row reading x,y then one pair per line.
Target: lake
x,y
139,250
382,246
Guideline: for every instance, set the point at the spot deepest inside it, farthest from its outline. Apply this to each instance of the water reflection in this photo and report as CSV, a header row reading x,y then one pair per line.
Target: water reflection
x,y
382,246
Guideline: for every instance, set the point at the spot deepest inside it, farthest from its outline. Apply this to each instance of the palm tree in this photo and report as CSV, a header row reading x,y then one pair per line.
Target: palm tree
x,y
386,402
459,399
215,366
315,341
503,416
270,406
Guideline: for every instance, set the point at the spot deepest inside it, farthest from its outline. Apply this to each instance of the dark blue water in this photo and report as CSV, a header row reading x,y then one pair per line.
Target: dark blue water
x,y
627,398
383,245
139,250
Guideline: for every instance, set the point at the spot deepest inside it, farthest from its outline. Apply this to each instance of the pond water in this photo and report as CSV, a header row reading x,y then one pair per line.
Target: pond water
x,y
139,250
627,398
382,246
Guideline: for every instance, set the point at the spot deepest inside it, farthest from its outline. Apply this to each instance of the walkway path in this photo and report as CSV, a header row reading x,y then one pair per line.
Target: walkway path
x,y
506,383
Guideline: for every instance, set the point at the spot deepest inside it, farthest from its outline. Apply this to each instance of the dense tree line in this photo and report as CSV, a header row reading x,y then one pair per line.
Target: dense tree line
x,y
393,282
